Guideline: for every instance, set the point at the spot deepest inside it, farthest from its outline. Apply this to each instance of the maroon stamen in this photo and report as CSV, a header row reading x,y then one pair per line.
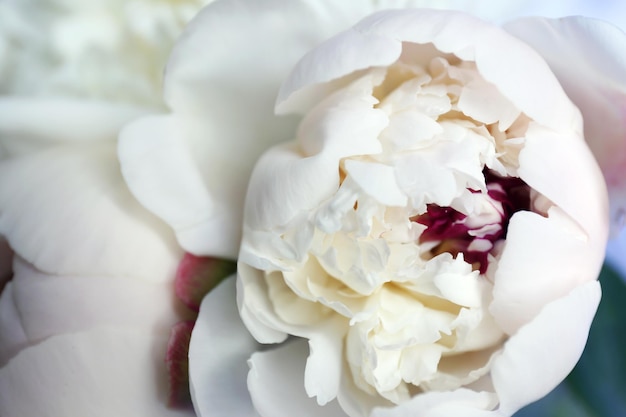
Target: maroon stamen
x,y
453,230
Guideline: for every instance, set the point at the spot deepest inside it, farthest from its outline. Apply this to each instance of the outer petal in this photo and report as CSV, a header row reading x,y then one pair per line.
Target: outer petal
x,y
14,336
220,346
461,402
67,210
41,305
106,371
375,41
276,384
542,353
587,56
531,273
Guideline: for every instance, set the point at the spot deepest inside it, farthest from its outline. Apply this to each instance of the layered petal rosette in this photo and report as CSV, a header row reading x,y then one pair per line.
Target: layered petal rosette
x,y
434,230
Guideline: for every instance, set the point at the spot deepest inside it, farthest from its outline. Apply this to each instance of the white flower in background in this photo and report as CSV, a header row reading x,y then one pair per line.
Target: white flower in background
x,y
86,274
107,49
86,317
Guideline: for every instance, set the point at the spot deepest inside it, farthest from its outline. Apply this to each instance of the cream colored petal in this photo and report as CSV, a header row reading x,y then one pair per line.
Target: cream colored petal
x,y
67,210
220,346
101,372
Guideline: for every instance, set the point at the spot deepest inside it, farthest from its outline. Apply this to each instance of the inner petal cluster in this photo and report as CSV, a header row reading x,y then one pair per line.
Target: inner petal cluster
x,y
398,257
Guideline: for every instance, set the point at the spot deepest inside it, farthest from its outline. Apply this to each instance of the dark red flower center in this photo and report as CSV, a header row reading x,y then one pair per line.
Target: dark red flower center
x,y
475,234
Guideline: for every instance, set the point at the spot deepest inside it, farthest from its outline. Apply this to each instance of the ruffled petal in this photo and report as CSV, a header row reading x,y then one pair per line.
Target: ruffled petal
x,y
102,372
587,56
376,40
220,346
541,354
66,210
287,183
276,384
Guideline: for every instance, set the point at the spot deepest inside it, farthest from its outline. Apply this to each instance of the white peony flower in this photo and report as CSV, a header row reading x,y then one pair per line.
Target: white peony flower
x,y
422,220
412,120
86,316
107,49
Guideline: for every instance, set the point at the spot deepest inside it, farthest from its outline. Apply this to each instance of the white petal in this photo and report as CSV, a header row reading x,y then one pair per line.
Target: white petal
x,y
222,112
323,366
161,171
543,260
29,122
333,59
67,210
255,307
551,163
285,184
220,346
462,402
542,353
102,372
501,59
13,334
587,56
378,181
49,304
276,383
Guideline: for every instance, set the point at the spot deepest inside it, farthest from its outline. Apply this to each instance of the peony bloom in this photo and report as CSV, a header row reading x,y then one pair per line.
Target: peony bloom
x,y
87,298
417,248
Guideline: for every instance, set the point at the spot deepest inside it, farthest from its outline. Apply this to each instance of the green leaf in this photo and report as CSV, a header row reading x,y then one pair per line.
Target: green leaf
x,y
600,376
